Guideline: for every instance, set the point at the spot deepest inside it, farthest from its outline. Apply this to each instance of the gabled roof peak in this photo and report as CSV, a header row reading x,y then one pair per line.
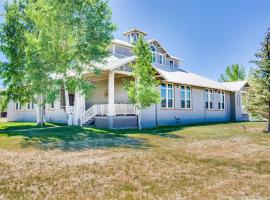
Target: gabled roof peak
x,y
135,30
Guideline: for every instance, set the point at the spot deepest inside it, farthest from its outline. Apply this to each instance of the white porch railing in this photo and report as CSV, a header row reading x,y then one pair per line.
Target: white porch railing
x,y
102,109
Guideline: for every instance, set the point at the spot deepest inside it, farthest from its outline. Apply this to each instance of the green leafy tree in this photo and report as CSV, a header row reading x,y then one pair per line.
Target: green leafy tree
x,y
12,45
142,91
233,73
22,75
50,44
71,37
258,98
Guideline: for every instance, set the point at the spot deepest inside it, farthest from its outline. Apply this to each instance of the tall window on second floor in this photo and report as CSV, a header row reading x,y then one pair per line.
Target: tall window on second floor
x,y
221,100
167,95
185,97
153,50
161,59
208,96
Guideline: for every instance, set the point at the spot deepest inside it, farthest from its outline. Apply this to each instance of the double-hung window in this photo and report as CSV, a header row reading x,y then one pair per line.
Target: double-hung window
x,y
161,58
208,96
167,95
221,100
18,106
52,105
185,97
30,106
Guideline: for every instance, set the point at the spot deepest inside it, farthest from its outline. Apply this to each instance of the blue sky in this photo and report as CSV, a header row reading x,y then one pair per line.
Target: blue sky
x,y
207,34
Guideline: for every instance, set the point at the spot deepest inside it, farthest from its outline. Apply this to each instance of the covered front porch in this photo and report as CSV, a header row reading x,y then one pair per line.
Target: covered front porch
x,y
108,106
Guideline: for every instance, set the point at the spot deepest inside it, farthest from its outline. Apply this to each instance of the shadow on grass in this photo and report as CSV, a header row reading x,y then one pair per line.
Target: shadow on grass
x,y
75,138
10,126
82,138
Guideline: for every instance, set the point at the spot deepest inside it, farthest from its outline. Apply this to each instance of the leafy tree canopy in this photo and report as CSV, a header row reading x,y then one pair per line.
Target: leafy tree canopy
x,y
233,73
49,43
142,91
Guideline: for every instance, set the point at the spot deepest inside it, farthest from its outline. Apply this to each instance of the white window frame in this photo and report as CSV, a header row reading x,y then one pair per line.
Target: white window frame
x,y
167,95
186,99
221,100
19,106
154,56
30,106
52,105
161,59
209,94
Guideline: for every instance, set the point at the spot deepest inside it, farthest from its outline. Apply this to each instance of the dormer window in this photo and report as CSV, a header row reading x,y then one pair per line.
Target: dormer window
x,y
153,50
133,35
171,63
161,59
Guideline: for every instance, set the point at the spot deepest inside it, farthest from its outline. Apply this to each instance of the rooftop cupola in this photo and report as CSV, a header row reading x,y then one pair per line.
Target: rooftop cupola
x,y
133,35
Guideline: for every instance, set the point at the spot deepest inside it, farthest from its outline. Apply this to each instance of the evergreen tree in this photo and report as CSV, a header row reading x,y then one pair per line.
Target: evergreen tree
x,y
142,91
233,73
258,99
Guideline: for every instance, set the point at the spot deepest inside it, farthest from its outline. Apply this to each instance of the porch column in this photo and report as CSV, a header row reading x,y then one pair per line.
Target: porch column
x,y
111,107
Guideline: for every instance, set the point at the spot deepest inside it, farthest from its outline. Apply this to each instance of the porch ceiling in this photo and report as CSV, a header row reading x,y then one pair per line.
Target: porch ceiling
x,y
92,77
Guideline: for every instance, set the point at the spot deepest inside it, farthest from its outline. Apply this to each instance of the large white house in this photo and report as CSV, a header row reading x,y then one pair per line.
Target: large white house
x,y
185,97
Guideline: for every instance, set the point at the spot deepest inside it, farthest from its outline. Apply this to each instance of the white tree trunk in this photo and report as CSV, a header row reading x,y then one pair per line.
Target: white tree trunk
x,y
68,108
78,108
40,111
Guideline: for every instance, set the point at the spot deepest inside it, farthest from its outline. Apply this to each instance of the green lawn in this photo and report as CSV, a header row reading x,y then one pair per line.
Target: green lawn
x,y
23,125
211,161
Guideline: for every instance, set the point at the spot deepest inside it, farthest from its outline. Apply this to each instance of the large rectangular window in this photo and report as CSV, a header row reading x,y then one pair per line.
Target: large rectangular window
x,y
18,106
185,97
208,96
30,106
167,95
221,100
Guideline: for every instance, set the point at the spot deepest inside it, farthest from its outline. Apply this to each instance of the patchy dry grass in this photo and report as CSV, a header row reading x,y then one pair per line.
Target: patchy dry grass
x,y
218,161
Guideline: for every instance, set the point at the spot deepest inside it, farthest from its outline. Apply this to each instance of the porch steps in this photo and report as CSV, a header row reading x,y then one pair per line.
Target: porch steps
x,y
90,122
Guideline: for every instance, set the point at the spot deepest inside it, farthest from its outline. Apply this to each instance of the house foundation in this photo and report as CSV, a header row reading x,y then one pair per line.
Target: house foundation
x,y
116,122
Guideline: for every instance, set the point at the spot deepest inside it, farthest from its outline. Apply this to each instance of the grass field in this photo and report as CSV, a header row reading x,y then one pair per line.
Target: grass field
x,y
214,161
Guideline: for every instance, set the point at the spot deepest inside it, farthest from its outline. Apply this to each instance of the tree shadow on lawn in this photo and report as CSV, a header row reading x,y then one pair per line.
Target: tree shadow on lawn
x,y
10,126
75,138
82,138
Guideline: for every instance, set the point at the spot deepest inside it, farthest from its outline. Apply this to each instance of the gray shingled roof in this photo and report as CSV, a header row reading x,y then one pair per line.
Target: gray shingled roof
x,y
179,76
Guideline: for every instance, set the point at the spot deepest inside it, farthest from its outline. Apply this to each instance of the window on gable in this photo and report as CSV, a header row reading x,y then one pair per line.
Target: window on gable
x,y
171,63
153,51
185,97
208,96
167,96
161,59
